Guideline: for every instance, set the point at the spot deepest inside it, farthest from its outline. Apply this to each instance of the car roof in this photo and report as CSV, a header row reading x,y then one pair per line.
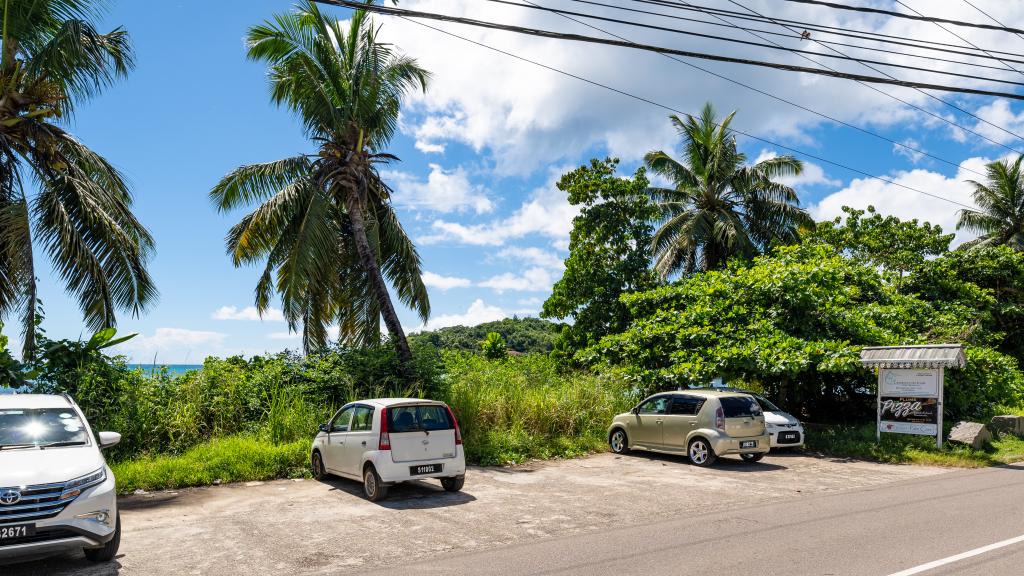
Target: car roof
x,y
385,402
706,392
725,389
9,401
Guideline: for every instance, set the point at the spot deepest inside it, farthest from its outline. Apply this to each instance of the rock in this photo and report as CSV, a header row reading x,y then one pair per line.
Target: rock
x,y
140,492
972,434
217,482
1011,424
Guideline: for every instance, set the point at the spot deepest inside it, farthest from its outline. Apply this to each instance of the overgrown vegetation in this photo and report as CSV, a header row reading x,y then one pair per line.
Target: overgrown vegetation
x,y
859,442
523,335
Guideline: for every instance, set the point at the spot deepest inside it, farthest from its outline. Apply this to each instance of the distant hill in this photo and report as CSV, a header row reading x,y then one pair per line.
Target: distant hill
x,y
521,335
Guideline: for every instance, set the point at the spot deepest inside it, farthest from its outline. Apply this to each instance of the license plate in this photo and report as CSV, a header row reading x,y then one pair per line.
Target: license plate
x,y
748,444
424,469
17,531
788,436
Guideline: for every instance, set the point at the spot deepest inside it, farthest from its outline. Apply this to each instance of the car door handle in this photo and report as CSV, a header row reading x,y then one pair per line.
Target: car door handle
x,y
364,442
657,421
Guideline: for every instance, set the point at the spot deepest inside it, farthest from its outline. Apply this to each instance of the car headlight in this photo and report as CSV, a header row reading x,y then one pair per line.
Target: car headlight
x,y
75,487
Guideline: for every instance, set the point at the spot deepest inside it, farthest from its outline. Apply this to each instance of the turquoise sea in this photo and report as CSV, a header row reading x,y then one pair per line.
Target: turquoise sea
x,y
172,369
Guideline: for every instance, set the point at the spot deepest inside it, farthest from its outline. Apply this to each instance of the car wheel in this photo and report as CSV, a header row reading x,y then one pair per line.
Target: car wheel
x,y
619,442
109,550
317,464
700,452
751,457
453,484
373,487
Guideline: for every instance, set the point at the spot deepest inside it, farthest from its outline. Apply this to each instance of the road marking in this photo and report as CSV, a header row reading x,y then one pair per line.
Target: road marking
x,y
959,557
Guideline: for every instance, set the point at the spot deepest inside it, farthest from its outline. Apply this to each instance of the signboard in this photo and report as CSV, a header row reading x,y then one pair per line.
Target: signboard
x,y
909,415
916,383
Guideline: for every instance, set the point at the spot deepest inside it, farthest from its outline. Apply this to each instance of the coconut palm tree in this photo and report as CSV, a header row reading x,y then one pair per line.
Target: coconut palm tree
x,y
1000,218
325,226
719,206
57,195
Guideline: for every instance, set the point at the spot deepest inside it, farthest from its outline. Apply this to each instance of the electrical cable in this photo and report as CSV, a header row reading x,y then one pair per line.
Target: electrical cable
x,y
990,17
908,16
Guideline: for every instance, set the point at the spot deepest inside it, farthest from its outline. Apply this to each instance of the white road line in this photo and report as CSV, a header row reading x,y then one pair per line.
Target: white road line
x,y
959,557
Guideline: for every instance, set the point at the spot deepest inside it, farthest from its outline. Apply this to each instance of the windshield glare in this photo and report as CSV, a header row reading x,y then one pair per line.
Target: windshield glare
x,y
40,426
766,404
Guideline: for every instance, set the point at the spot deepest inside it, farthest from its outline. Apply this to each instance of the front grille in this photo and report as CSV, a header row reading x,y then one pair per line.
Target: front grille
x,y
38,502
40,536
788,438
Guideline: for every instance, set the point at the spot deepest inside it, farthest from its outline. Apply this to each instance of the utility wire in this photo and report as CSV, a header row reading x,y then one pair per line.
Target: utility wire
x,y
889,79
773,46
781,99
990,17
840,31
914,106
358,6
959,36
908,16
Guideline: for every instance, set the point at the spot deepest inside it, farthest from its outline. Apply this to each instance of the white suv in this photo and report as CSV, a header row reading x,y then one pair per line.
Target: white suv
x,y
56,491
386,441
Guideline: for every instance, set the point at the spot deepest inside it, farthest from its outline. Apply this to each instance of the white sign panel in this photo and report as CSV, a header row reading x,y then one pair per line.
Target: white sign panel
x,y
908,428
915,383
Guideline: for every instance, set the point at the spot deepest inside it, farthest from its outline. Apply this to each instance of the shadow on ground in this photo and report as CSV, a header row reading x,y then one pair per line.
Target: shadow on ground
x,y
416,494
68,564
723,464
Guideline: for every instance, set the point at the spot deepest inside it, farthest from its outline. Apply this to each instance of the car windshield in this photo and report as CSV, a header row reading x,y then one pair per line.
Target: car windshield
x,y
767,405
416,418
41,426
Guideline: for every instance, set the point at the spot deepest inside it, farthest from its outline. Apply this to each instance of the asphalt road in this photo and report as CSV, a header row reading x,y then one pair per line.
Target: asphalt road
x,y
884,530
790,515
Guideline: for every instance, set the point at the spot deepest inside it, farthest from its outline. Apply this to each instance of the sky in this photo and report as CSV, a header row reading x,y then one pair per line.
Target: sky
x,y
482,149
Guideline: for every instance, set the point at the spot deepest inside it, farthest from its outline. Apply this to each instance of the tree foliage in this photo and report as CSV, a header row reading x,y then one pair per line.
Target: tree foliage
x,y
493,346
1000,217
523,335
609,251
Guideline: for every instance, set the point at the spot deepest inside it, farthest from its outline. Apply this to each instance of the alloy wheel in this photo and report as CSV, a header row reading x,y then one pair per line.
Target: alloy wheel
x,y
618,441
698,452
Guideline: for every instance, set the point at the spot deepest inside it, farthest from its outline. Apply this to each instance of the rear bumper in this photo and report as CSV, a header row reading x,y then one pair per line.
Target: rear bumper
x,y
723,445
392,472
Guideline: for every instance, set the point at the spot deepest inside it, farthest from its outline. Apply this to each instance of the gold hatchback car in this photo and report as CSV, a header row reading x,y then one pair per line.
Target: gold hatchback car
x,y
703,424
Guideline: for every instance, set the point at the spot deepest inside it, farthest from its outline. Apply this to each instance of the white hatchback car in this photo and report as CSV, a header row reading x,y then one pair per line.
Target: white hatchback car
x,y
56,491
386,441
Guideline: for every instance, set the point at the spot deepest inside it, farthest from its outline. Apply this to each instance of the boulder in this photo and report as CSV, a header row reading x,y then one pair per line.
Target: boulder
x,y
972,434
1011,424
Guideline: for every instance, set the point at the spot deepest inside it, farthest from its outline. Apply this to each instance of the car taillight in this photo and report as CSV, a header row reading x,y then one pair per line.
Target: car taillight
x,y
720,418
458,433
385,439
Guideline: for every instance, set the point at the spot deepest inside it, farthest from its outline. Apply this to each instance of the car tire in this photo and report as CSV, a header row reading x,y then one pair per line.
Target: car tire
x,y
109,550
316,463
453,484
619,441
700,452
751,458
373,487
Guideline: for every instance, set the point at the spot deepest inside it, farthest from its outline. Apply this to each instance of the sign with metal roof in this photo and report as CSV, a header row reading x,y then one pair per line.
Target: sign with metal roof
x,y
921,356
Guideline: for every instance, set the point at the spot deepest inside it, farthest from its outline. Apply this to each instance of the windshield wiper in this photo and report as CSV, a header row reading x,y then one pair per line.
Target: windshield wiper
x,y
59,444
16,446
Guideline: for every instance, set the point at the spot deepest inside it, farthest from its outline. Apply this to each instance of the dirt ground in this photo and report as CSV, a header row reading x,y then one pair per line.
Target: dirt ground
x,y
309,527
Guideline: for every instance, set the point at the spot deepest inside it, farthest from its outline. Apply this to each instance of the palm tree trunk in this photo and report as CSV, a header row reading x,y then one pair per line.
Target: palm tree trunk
x,y
380,289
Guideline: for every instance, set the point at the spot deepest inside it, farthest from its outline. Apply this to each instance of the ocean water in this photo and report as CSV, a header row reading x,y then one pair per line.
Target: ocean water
x,y
172,369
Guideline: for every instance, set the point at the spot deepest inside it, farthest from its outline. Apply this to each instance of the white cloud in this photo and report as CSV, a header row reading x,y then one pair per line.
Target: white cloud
x,y
444,191
915,155
533,255
174,345
247,313
444,282
905,204
530,280
812,175
1000,114
429,148
530,302
477,313
332,334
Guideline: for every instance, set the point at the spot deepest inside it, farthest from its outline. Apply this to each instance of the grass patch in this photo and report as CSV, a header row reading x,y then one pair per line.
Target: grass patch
x,y
231,459
859,442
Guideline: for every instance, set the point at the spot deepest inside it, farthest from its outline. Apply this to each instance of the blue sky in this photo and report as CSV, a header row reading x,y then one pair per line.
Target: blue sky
x,y
480,152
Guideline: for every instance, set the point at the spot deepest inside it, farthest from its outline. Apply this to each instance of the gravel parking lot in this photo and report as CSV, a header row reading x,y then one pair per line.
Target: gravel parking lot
x,y
309,527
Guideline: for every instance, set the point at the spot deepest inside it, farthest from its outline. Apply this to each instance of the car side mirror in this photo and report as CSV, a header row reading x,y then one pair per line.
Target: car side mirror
x,y
108,439
324,428
635,410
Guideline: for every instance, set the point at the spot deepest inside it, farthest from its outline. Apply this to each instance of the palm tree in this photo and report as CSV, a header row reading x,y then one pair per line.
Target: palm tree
x,y
325,225
719,206
1000,220
57,195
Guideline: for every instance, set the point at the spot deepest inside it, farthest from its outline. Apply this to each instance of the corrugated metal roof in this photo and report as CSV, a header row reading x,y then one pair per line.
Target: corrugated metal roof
x,y
924,356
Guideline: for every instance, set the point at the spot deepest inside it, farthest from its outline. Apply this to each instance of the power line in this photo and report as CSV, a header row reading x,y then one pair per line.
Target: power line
x,y
784,100
914,106
773,46
702,55
990,17
344,3
908,16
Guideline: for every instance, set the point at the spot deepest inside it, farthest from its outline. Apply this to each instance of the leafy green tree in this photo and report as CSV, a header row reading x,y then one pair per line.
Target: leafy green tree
x,y
1000,219
524,335
12,372
493,346
899,246
325,224
720,207
57,196
609,251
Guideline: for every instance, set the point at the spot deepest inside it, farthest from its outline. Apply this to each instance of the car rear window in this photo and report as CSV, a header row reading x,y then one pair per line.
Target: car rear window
x,y
420,417
740,407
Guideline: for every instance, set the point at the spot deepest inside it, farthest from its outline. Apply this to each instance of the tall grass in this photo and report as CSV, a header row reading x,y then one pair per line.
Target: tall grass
x,y
522,407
